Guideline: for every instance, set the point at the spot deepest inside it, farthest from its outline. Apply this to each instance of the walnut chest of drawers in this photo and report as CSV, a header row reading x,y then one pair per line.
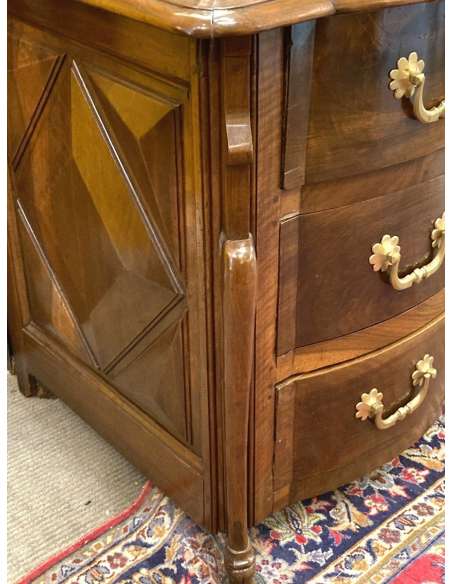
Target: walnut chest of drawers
x,y
226,237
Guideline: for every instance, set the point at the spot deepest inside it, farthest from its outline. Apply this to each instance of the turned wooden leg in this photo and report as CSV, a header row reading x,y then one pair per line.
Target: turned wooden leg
x,y
238,320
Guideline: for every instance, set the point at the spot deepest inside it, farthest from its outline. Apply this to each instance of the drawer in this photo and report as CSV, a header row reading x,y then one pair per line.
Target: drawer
x,y
327,287
356,125
320,444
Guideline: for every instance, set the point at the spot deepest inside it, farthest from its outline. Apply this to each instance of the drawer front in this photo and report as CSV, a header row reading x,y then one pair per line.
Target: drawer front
x,y
327,285
320,444
355,123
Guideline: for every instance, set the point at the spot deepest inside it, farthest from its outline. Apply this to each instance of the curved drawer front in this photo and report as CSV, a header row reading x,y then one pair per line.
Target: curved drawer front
x,y
328,288
356,123
321,444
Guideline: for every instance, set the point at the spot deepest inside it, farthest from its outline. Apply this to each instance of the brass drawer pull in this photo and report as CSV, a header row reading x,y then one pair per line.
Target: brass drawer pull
x,y
386,257
408,81
371,405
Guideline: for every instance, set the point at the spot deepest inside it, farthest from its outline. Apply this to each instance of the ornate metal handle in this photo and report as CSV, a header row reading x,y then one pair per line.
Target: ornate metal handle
x,y
408,81
386,257
371,405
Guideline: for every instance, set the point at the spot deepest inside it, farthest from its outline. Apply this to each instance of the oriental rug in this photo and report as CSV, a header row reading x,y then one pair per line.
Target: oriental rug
x,y
385,527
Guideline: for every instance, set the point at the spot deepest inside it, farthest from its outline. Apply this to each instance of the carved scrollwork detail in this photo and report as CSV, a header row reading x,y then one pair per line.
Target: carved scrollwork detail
x,y
371,405
408,80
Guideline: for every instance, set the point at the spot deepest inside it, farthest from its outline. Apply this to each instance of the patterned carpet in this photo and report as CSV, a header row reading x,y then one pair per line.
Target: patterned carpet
x,y
387,527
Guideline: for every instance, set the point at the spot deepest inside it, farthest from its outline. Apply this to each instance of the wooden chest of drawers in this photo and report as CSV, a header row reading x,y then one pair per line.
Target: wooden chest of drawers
x,y
226,237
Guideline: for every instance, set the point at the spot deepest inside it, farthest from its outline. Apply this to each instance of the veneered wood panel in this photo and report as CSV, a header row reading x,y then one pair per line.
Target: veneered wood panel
x,y
30,69
100,176
269,114
156,381
48,305
174,468
299,56
360,187
283,445
146,126
332,269
110,262
361,342
137,43
329,446
356,124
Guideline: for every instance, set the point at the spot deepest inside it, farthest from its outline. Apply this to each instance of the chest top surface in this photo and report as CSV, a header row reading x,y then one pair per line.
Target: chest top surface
x,y
216,18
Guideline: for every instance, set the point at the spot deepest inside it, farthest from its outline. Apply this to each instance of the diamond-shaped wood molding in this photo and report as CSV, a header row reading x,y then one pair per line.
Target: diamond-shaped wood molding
x,y
116,301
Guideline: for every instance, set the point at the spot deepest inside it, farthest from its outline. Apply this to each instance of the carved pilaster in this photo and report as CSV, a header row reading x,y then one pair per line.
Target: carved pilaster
x,y
239,299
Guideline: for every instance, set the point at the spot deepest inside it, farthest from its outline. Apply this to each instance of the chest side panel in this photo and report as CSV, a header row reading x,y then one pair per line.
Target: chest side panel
x,y
104,195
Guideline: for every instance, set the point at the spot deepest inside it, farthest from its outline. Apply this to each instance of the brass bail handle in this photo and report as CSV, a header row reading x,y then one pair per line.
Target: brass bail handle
x,y
372,407
408,80
386,257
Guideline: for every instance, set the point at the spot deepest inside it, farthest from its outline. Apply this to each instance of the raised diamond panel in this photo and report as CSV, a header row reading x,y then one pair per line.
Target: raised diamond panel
x,y
105,252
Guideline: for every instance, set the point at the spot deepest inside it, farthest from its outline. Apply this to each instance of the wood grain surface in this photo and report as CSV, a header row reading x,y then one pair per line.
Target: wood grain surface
x,y
105,238
356,125
210,18
269,114
328,446
346,347
324,263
